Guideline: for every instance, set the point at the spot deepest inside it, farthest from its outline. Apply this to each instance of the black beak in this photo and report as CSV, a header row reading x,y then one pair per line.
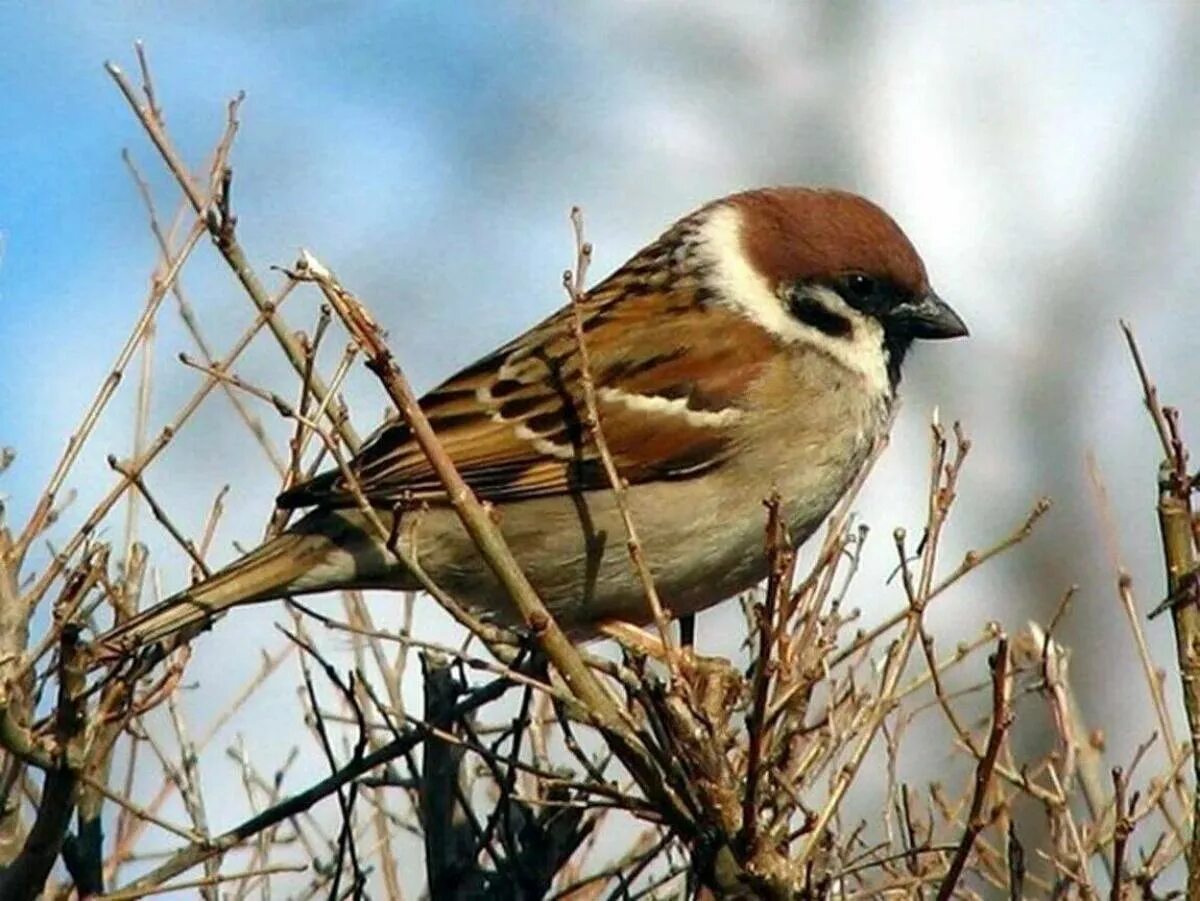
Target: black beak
x,y
930,317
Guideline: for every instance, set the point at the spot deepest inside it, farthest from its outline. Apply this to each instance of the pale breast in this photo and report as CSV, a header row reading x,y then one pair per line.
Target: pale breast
x,y
703,537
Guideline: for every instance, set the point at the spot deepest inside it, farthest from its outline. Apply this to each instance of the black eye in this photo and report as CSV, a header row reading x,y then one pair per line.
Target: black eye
x,y
861,286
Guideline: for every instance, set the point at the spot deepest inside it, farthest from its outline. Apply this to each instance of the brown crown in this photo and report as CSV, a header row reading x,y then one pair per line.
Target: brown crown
x,y
795,234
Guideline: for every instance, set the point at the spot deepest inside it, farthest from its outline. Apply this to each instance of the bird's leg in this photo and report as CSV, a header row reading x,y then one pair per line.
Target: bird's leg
x,y
687,631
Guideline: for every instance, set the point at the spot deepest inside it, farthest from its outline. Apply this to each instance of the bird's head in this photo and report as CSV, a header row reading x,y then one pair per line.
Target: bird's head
x,y
827,269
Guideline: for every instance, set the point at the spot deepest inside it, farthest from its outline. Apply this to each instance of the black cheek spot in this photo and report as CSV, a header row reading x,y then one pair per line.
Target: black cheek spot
x,y
812,312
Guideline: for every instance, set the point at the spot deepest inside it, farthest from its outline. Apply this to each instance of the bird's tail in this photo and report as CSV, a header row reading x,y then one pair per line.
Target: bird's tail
x,y
300,560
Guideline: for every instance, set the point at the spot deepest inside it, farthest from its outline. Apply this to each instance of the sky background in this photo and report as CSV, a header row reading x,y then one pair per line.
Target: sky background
x,y
1043,159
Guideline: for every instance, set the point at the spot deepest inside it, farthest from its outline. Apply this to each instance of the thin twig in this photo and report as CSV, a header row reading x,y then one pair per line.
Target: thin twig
x,y
1001,720
573,282
217,219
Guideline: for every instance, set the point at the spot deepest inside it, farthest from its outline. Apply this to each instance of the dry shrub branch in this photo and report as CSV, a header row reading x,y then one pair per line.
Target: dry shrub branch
x,y
536,767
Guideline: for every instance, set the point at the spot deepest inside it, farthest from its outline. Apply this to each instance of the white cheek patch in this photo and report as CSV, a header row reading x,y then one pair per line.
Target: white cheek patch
x,y
861,351
739,284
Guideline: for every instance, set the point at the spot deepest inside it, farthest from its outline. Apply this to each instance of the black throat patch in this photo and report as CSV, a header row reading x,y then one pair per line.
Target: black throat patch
x,y
895,347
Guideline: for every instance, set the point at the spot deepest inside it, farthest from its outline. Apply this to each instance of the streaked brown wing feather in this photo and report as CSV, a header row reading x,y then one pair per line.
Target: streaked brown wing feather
x,y
512,421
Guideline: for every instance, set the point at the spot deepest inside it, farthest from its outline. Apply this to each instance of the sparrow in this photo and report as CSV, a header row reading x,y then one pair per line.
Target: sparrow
x,y
753,349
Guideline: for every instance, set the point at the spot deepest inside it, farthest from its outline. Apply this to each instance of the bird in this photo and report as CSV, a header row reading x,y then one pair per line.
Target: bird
x,y
754,349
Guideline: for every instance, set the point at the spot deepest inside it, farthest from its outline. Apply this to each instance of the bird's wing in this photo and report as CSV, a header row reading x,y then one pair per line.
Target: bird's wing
x,y
670,370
